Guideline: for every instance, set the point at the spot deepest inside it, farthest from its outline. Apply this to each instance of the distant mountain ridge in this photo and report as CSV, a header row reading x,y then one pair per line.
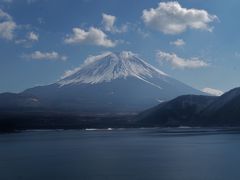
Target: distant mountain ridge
x,y
186,110
107,83
193,110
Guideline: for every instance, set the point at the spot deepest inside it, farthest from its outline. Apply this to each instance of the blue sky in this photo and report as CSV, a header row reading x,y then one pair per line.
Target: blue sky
x,y
194,41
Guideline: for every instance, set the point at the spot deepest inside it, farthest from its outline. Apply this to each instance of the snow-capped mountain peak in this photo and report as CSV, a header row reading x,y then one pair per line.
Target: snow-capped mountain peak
x,y
111,83
109,66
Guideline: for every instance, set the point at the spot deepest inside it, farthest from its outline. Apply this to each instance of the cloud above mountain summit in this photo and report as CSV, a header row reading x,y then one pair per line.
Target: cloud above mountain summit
x,y
172,18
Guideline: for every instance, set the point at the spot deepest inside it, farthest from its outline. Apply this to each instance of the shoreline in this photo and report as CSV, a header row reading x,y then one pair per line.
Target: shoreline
x,y
159,130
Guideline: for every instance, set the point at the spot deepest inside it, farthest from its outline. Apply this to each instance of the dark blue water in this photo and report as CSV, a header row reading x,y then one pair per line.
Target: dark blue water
x,y
146,154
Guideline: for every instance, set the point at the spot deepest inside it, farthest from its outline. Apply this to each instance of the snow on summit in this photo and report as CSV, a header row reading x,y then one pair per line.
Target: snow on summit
x,y
112,82
109,66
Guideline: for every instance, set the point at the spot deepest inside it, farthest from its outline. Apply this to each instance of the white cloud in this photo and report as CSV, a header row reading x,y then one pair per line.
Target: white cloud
x,y
7,26
33,36
211,91
108,22
38,55
28,40
93,58
172,18
93,36
178,42
4,16
181,63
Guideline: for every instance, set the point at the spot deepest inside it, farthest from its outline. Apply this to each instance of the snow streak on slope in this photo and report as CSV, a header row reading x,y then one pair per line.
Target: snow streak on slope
x,y
109,66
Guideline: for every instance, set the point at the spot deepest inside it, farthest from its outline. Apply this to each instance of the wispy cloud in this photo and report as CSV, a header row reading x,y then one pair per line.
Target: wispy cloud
x,y
7,26
32,36
178,62
178,42
108,22
28,40
142,33
38,55
92,36
172,18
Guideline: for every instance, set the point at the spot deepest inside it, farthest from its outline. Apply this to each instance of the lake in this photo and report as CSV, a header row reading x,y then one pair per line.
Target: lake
x,y
123,154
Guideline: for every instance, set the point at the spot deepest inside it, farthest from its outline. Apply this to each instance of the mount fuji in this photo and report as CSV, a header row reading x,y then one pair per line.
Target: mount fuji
x,y
107,83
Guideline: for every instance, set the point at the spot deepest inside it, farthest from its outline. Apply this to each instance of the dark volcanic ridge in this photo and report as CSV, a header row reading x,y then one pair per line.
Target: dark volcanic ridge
x,y
193,110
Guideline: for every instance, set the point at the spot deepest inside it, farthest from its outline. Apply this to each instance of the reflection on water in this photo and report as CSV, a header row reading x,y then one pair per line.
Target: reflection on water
x,y
135,154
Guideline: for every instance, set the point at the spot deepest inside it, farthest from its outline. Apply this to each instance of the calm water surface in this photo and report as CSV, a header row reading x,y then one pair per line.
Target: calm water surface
x,y
148,154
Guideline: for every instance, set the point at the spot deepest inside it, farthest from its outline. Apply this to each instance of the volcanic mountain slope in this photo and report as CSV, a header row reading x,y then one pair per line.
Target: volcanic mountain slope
x,y
13,100
110,82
